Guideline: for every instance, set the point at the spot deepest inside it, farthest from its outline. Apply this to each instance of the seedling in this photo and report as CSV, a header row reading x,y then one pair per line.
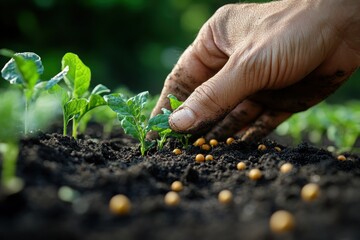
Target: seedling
x,y
160,124
76,100
24,70
131,116
11,110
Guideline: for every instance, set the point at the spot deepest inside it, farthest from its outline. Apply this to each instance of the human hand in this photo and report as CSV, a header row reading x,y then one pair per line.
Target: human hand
x,y
253,65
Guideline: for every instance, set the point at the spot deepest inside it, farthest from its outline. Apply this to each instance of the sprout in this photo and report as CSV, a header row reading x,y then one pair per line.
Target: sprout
x,y
310,192
230,140
225,197
199,158
282,221
262,147
286,168
241,166
209,157
213,142
172,198
177,186
255,174
177,151
120,205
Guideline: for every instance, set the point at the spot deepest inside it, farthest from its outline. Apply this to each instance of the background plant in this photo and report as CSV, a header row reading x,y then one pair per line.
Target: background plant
x,y
334,122
76,100
24,70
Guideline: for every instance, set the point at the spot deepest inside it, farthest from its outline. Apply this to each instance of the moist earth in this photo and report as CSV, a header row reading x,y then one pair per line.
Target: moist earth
x,y
96,168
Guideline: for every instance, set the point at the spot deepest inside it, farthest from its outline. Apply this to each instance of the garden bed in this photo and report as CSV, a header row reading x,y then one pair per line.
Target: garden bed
x,y
92,170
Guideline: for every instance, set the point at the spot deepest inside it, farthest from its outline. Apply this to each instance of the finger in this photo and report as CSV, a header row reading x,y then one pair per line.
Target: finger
x,y
243,114
264,125
198,63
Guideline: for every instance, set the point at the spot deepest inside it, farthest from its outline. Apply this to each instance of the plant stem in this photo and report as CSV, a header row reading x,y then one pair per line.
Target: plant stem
x,y
74,128
26,117
10,153
64,125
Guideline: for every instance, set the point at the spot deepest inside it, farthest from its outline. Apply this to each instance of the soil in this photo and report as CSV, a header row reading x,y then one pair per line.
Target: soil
x,y
96,168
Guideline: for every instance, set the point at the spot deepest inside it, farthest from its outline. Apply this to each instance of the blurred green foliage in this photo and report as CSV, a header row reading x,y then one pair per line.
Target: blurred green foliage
x,y
132,43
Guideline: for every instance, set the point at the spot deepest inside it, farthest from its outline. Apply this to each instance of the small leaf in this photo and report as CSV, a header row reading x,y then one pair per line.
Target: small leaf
x,y
23,68
74,107
129,127
79,75
99,89
117,103
94,101
174,102
159,122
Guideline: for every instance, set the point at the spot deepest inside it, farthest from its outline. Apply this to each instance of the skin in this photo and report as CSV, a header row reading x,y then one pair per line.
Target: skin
x,y
253,65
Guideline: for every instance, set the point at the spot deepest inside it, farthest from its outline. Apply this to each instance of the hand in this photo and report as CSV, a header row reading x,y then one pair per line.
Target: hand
x,y
253,65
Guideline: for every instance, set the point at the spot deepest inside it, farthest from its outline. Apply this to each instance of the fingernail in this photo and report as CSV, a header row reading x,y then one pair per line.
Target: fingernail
x,y
182,119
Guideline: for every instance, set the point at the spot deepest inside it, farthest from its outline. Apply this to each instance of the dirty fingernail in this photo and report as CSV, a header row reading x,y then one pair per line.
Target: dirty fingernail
x,y
182,119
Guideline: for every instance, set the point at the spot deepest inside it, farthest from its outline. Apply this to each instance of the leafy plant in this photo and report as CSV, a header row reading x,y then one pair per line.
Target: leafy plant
x,y
160,124
337,123
131,116
24,70
76,100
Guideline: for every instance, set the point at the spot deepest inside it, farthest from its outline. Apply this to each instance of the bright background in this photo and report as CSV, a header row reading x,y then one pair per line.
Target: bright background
x,y
133,43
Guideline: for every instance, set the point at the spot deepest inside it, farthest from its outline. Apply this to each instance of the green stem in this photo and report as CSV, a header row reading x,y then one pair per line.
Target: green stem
x,y
64,125
26,117
74,128
10,153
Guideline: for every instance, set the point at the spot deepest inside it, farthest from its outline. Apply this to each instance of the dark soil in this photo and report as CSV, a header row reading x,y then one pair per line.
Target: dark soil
x,y
96,169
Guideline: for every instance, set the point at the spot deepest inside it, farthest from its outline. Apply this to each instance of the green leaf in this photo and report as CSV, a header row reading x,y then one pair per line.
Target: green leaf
x,y
174,102
94,101
23,68
99,89
137,103
129,126
159,122
117,103
79,75
61,93
74,107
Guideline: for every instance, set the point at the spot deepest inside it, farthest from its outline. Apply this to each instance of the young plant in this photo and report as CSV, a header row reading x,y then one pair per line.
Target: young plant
x,y
24,70
160,124
130,112
10,112
76,100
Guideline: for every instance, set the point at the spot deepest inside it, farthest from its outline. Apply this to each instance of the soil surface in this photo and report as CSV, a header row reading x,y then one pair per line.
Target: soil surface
x,y
94,169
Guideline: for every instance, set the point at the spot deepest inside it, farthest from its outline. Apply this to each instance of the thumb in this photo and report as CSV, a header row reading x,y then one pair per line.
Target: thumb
x,y
215,98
